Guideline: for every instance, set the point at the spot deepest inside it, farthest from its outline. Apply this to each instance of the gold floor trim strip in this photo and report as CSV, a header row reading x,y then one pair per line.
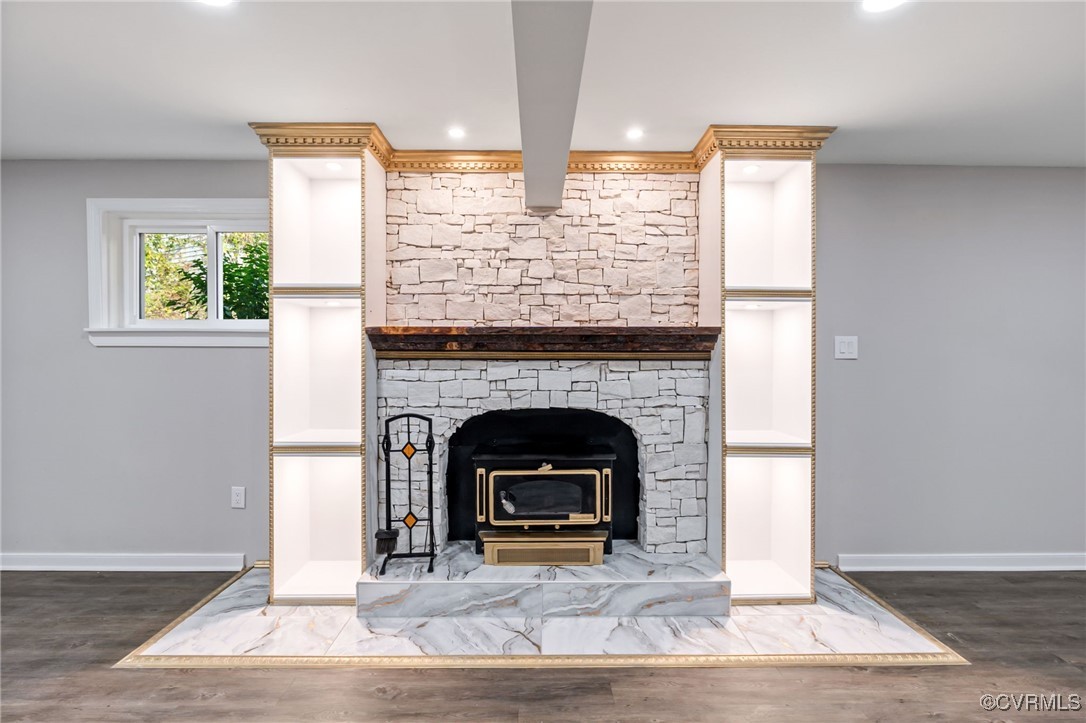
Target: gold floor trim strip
x,y
865,660
945,656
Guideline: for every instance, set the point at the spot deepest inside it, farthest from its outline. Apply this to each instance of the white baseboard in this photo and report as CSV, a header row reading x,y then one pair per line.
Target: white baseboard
x,y
122,562
979,562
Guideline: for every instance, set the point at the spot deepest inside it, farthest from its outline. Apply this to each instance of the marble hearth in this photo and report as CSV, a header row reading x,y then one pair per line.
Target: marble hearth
x,y
630,583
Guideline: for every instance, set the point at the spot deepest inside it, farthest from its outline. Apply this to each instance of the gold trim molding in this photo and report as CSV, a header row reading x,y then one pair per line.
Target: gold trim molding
x,y
315,291
767,293
321,139
317,139
627,162
316,450
747,450
456,161
550,661
760,142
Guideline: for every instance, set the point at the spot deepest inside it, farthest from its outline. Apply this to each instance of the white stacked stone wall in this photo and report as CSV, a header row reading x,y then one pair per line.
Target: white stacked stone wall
x,y
664,402
622,251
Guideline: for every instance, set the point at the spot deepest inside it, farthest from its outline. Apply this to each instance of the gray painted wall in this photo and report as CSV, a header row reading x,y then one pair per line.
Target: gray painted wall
x,y
960,428
114,449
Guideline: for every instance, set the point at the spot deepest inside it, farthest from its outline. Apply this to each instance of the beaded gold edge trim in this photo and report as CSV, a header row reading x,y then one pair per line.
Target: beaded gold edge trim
x,y
548,661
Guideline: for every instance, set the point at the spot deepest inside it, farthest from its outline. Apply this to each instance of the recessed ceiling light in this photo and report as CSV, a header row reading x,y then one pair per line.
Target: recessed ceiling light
x,y
881,6
753,306
751,169
634,133
217,3
331,303
456,132
333,166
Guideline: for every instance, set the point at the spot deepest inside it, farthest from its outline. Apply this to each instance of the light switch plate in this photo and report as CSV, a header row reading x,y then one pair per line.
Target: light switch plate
x,y
846,347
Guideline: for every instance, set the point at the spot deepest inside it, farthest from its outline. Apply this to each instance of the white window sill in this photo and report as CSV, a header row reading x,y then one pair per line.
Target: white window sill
x,y
179,337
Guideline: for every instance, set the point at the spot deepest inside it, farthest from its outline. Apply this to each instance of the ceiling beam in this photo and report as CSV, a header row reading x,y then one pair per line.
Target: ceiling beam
x,y
549,40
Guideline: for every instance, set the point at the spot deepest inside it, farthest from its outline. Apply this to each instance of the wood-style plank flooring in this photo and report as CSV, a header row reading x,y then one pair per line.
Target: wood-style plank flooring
x,y
61,632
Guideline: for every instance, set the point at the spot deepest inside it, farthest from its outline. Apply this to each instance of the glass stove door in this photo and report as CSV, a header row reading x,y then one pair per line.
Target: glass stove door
x,y
533,497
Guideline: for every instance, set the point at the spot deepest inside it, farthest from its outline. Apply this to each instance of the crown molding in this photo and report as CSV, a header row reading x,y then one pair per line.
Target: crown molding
x,y
315,139
380,147
631,162
760,142
456,161
318,139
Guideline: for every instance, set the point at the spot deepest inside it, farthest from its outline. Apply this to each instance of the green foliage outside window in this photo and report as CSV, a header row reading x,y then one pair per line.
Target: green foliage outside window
x,y
175,276
171,285
244,275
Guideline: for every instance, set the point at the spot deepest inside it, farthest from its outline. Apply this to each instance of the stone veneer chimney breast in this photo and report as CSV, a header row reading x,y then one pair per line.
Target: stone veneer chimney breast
x,y
622,251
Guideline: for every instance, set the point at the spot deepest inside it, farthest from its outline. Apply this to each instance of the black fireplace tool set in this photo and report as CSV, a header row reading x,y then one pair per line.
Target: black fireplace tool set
x,y
414,445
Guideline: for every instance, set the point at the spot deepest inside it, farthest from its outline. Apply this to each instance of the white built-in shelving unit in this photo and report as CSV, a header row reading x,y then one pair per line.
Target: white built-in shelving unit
x,y
768,369
318,187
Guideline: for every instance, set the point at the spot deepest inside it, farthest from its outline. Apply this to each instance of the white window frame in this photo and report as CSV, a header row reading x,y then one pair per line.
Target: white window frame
x,y
115,270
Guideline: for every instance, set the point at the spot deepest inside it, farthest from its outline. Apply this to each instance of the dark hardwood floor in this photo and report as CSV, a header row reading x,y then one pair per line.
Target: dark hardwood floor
x,y
61,632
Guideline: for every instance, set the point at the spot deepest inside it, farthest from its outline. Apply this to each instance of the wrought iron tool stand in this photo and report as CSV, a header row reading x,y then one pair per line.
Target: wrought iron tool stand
x,y
409,450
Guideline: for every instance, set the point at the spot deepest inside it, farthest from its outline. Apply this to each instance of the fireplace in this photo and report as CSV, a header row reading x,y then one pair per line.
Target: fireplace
x,y
650,414
544,485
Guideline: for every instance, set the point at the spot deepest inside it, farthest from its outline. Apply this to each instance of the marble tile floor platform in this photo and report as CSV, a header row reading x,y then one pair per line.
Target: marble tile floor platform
x,y
630,582
237,628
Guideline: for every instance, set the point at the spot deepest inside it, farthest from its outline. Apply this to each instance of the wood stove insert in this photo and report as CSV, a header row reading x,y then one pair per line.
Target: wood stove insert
x,y
543,486
527,493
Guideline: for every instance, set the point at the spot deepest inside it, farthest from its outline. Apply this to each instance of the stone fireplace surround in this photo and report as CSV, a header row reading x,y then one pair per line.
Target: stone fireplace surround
x,y
621,251
664,402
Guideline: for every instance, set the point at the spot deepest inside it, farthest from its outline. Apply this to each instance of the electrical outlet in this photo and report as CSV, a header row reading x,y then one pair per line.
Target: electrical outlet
x,y
237,498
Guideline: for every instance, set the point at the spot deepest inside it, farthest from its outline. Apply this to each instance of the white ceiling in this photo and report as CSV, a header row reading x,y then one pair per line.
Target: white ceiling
x,y
931,82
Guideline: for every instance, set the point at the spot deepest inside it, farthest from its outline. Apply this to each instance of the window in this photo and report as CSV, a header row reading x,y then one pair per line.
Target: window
x,y
202,273
178,272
